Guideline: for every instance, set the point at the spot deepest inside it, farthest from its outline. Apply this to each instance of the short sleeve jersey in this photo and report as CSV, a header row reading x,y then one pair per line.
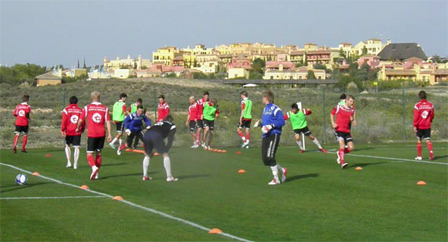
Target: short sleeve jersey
x,y
343,115
163,109
96,115
70,117
22,113
193,111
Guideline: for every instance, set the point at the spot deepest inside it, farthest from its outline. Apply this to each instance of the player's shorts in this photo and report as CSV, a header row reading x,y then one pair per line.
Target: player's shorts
x,y
269,147
95,144
200,124
153,139
244,124
306,131
120,126
192,125
73,140
347,137
21,129
423,134
210,124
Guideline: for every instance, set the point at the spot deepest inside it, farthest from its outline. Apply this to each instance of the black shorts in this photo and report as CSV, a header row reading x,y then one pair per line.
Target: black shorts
x,y
73,140
153,139
192,125
134,136
21,130
306,131
269,147
244,124
200,124
119,126
95,144
210,124
423,134
347,137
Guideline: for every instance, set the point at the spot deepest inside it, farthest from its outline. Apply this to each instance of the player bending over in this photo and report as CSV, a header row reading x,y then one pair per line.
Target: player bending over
x,y
69,124
22,114
342,125
297,117
95,116
245,119
133,128
423,116
119,113
211,111
271,124
154,138
192,120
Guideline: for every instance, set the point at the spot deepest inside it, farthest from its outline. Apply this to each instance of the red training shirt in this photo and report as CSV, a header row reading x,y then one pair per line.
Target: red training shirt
x,y
22,112
96,115
193,111
423,114
201,102
70,117
162,111
343,115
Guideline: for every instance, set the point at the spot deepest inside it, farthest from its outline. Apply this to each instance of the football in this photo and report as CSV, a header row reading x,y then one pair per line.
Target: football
x,y
21,179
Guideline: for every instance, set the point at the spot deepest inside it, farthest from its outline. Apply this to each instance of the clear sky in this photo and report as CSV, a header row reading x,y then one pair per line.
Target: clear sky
x,y
61,32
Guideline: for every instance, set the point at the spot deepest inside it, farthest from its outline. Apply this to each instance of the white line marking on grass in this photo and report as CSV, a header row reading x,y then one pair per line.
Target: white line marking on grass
x,y
26,198
134,205
397,159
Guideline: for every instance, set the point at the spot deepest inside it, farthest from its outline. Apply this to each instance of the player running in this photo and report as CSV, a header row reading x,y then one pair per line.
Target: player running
x,y
200,122
271,124
423,116
69,124
297,117
163,109
342,125
96,116
154,138
119,113
245,119
133,126
211,111
22,114
192,120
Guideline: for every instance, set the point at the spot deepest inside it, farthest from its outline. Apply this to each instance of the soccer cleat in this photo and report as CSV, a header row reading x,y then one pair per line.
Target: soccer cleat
x,y
194,146
118,152
273,182
343,166
147,178
75,167
246,143
418,158
14,150
68,165
323,150
112,145
247,147
203,145
94,172
96,176
285,171
171,179
431,155
24,151
301,151
339,158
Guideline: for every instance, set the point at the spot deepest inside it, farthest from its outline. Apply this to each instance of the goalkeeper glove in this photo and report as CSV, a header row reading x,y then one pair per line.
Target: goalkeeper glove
x,y
128,132
257,124
266,128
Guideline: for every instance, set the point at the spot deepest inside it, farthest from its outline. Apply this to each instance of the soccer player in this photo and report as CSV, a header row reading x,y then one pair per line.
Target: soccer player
x,y
342,100
342,125
133,126
154,138
211,111
119,113
95,116
22,114
70,117
423,116
271,124
245,119
133,107
200,122
299,124
163,109
192,120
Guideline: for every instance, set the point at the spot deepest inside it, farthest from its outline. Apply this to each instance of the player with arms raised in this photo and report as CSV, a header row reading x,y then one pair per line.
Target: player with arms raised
x,y
423,116
22,114
96,116
69,124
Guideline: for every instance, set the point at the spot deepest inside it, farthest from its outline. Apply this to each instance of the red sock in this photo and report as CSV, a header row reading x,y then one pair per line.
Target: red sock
x,y
346,150
419,149
90,159
25,139
429,143
16,139
248,136
342,155
98,161
123,146
240,134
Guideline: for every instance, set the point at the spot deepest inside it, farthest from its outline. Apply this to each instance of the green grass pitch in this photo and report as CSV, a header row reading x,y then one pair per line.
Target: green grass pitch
x,y
318,202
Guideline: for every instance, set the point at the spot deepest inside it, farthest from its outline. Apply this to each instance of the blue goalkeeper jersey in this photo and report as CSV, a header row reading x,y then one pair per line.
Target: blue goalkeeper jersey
x,y
133,122
272,115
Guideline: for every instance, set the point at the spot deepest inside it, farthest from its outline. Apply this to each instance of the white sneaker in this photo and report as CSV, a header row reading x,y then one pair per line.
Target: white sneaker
x,y
339,158
112,145
94,172
285,171
418,158
273,182
96,177
68,164
194,146
118,152
246,143
75,167
343,166
171,179
203,145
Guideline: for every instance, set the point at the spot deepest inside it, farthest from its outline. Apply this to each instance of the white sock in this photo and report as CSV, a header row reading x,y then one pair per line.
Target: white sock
x,y
300,144
279,168
167,164
120,141
114,140
317,143
68,153
145,166
275,172
243,138
76,156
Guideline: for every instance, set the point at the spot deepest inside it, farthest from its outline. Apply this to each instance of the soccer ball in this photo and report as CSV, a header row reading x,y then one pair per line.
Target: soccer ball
x,y
21,179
